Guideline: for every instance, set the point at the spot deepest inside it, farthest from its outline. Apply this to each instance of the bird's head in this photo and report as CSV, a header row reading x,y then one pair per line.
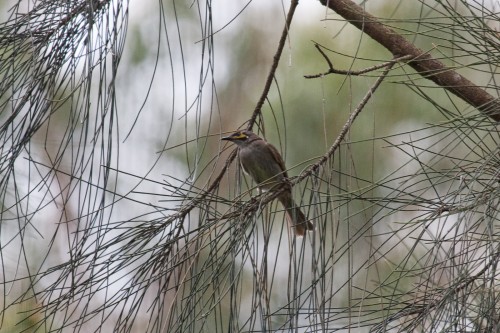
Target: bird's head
x,y
241,138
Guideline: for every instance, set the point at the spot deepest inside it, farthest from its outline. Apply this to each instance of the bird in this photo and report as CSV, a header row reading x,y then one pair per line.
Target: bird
x,y
262,161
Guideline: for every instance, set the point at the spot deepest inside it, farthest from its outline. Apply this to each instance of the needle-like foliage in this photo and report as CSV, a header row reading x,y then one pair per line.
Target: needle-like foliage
x,y
405,241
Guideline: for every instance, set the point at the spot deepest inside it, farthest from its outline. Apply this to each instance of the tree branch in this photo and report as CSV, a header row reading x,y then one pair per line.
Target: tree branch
x,y
266,197
184,210
420,61
347,125
274,66
333,70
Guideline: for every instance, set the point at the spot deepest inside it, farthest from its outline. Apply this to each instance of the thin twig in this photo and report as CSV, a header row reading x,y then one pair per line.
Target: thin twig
x,y
313,168
267,197
332,70
183,211
419,309
420,61
274,66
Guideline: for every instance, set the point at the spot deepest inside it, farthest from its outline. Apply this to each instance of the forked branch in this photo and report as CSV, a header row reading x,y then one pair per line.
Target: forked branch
x,y
419,60
333,70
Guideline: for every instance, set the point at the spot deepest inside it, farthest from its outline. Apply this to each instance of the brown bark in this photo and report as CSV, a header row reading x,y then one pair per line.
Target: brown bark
x,y
420,61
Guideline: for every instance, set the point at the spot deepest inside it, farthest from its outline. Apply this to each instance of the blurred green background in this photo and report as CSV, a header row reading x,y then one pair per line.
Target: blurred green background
x,y
159,86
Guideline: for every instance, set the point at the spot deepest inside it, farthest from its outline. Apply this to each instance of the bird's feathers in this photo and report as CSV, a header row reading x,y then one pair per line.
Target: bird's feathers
x,y
262,161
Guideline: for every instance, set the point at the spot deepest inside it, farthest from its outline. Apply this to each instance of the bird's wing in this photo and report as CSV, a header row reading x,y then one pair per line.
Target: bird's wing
x,y
277,157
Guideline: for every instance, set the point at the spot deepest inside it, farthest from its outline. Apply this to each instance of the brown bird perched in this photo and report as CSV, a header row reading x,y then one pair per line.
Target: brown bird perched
x,y
264,163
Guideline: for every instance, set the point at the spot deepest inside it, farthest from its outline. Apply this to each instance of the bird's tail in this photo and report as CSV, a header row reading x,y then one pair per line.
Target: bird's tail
x,y
294,215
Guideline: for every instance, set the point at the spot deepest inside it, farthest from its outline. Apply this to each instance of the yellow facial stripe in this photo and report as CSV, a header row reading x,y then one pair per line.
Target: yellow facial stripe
x,y
238,136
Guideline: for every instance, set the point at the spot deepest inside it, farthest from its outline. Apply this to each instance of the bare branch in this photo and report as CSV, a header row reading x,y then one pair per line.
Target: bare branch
x,y
420,61
332,70
274,66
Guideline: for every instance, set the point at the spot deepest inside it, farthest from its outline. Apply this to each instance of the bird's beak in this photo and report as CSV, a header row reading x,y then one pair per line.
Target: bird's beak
x,y
228,138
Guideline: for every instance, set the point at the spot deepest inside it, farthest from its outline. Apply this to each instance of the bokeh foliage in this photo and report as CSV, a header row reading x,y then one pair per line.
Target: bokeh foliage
x,y
111,120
